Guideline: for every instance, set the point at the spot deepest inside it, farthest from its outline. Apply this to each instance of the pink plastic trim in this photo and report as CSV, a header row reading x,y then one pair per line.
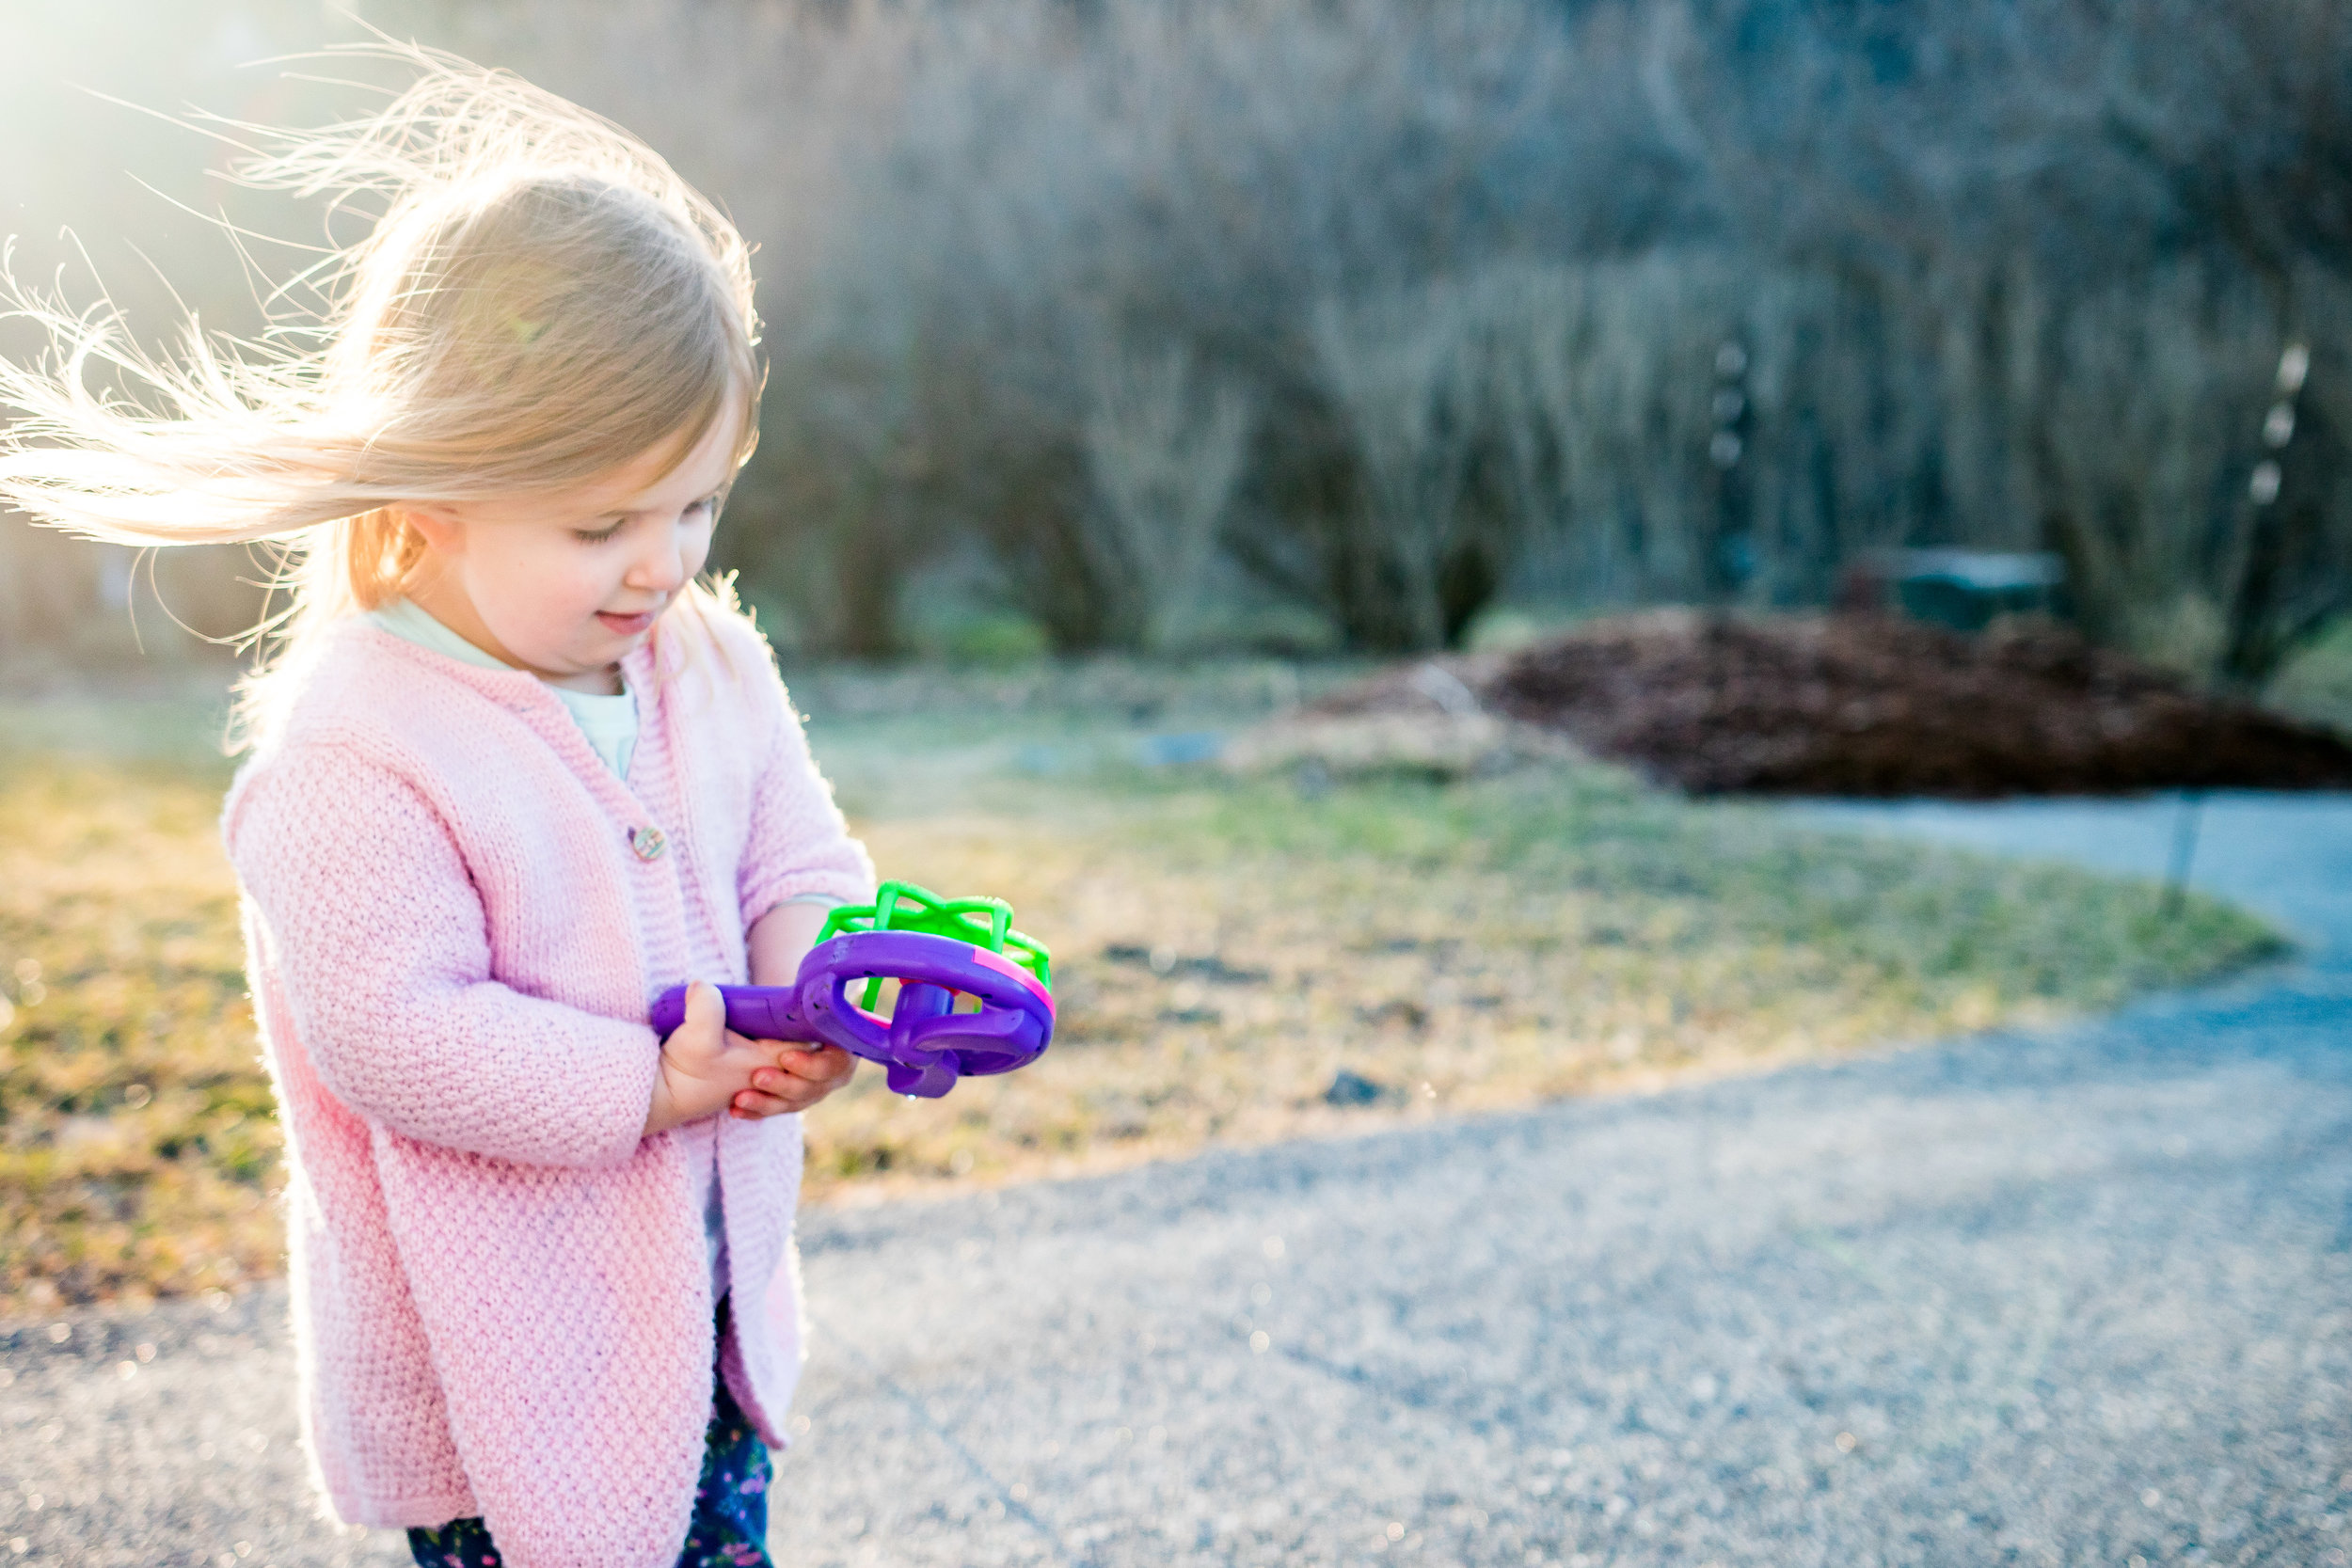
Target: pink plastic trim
x,y
1006,966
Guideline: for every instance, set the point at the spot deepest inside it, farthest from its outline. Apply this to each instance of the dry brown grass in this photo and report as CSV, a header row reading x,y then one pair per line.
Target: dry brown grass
x,y
1223,951
137,1143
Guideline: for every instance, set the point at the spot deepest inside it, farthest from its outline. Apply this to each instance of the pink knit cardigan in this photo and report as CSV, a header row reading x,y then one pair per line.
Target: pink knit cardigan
x,y
501,1297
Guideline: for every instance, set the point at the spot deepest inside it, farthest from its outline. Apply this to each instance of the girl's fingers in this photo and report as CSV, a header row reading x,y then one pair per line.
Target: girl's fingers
x,y
789,1085
706,1009
827,1064
796,1080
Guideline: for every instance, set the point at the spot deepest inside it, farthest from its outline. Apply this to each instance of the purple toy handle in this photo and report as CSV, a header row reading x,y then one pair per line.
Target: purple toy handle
x,y
763,1012
924,1043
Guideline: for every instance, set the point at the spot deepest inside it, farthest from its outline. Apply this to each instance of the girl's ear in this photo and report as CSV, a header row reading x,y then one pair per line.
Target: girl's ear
x,y
443,530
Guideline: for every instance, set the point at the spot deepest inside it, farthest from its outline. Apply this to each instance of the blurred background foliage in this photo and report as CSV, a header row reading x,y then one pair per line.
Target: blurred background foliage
x,y
1318,324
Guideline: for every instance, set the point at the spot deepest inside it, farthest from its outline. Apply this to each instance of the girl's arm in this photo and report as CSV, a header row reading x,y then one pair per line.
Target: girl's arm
x,y
798,842
799,847
780,938
363,905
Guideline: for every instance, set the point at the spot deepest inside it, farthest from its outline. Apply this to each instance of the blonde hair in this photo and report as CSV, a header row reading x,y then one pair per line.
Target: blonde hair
x,y
541,300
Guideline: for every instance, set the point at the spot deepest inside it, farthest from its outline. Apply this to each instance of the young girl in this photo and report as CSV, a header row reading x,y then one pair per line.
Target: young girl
x,y
513,774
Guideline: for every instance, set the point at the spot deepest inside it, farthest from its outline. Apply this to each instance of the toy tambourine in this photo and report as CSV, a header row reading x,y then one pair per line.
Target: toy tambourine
x,y
975,996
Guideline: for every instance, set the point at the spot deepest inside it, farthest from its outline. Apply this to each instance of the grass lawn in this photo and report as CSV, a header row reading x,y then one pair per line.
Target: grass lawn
x,y
1223,951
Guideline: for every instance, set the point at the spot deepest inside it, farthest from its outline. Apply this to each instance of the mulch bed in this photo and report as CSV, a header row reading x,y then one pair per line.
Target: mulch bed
x,y
1871,705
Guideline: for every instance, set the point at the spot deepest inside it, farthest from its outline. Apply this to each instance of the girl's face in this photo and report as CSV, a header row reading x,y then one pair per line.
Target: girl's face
x,y
564,585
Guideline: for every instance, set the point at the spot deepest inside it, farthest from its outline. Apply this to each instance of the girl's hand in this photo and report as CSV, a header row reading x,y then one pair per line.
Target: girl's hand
x,y
705,1065
802,1075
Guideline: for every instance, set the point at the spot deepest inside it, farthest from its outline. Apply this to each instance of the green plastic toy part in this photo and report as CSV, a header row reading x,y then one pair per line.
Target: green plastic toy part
x,y
903,906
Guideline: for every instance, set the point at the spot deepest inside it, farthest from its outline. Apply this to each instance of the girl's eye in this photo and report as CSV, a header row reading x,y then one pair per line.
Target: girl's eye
x,y
707,506
596,535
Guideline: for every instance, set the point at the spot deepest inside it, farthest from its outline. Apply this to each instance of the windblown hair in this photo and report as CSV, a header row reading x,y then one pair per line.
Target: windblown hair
x,y
539,300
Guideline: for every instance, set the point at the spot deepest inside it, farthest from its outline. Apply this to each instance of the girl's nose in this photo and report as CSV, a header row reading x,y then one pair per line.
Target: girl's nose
x,y
661,567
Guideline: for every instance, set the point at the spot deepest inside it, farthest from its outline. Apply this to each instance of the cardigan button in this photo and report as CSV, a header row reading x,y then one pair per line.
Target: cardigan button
x,y
648,843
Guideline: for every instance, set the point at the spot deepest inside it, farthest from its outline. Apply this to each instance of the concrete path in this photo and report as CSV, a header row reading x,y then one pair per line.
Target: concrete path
x,y
2288,856
2082,1297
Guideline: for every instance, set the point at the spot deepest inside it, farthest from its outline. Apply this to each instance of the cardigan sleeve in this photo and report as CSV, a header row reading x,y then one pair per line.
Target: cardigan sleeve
x,y
798,842
368,914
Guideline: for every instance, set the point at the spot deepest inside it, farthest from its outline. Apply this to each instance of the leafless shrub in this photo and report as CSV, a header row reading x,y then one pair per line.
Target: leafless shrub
x,y
1603,391
1164,450
1405,370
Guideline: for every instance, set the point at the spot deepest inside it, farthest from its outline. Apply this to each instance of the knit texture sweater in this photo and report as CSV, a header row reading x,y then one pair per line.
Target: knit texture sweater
x,y
455,923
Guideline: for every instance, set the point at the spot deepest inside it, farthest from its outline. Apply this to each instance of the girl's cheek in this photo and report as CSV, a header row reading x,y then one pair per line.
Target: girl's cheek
x,y
698,550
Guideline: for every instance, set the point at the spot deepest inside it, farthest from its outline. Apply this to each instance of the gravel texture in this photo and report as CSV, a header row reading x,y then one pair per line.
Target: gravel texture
x,y
2074,1297
162,1437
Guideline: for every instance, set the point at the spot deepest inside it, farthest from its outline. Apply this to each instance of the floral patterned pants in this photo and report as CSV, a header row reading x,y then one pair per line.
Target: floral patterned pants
x,y
730,1525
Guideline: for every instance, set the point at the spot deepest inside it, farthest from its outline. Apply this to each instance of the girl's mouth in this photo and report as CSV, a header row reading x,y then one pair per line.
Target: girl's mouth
x,y
628,626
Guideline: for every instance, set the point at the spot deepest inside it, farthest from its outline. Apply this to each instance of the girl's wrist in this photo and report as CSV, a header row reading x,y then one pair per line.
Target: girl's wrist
x,y
670,1108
